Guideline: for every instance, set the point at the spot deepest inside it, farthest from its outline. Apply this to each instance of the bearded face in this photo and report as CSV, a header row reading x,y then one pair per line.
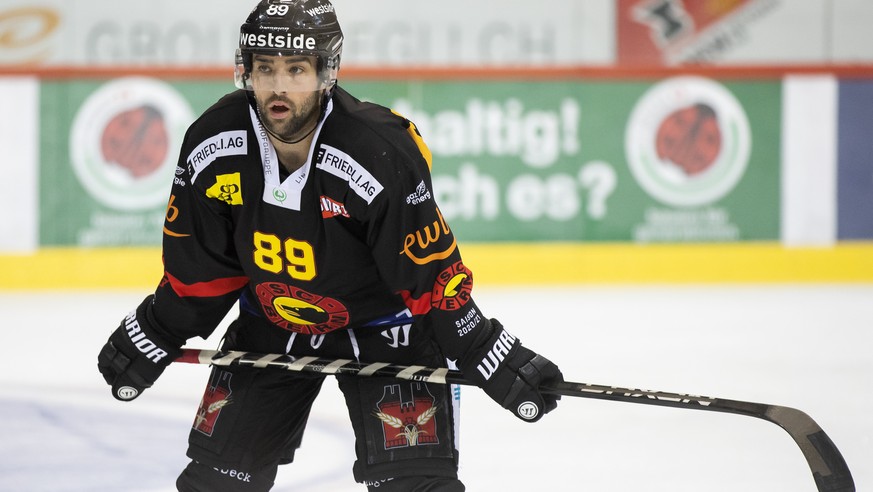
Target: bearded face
x,y
289,117
288,93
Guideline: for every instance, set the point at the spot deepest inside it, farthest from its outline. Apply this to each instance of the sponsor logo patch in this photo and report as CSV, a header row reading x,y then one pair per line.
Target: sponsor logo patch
x,y
339,164
421,195
224,144
227,189
179,178
331,208
428,243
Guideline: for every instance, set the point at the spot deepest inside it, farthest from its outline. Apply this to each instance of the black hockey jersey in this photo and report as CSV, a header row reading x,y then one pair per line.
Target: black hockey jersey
x,y
352,239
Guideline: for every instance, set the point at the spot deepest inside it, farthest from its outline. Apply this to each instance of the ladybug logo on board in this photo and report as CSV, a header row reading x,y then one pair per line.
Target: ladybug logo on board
x,y
122,138
688,141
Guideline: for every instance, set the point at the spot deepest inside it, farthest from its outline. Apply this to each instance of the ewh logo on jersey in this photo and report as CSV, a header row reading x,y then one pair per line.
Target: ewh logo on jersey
x,y
123,140
429,243
408,418
688,141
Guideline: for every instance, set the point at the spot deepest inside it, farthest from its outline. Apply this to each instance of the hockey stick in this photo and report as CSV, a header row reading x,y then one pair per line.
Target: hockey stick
x,y
824,459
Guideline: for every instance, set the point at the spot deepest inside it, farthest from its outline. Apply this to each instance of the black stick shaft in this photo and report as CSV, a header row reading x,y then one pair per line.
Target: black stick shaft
x,y
828,467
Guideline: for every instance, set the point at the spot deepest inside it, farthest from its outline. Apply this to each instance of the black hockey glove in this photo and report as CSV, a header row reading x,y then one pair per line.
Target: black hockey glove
x,y
512,374
135,356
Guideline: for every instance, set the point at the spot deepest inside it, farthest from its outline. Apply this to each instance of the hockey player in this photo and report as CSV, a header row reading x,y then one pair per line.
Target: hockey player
x,y
315,212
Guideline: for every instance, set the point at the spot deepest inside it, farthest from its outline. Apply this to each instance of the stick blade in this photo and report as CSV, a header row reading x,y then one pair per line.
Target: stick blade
x,y
839,479
829,468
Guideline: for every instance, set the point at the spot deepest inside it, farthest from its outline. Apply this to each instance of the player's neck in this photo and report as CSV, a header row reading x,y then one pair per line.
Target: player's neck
x,y
292,156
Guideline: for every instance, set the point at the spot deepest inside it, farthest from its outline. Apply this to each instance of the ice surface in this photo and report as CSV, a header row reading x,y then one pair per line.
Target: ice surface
x,y
807,347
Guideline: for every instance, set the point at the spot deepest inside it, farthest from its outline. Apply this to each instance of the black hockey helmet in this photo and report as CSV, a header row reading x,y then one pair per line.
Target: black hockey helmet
x,y
289,28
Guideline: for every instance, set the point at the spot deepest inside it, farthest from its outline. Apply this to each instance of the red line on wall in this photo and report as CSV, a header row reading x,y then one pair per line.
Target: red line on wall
x,y
460,73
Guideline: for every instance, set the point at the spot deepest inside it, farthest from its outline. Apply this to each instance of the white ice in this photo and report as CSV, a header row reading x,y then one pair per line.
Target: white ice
x,y
807,347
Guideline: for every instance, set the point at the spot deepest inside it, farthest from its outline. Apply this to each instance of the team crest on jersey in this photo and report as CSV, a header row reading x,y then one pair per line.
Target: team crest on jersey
x,y
408,417
227,188
216,397
297,310
452,288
